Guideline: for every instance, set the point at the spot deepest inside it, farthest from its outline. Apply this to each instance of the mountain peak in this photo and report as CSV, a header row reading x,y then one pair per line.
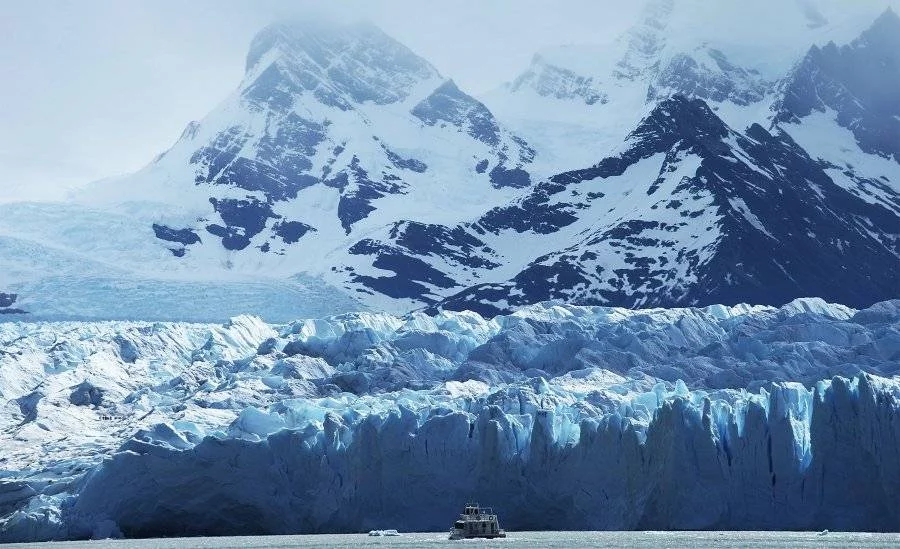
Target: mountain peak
x,y
885,29
890,15
303,35
341,63
679,117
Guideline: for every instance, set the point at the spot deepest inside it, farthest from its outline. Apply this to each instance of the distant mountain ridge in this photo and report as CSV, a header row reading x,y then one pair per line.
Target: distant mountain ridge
x,y
859,81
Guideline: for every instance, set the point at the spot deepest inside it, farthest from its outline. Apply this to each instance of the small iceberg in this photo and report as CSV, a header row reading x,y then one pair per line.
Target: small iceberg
x,y
378,533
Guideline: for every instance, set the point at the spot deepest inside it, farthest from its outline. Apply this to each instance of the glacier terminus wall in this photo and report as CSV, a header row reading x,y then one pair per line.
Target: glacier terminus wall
x,y
560,416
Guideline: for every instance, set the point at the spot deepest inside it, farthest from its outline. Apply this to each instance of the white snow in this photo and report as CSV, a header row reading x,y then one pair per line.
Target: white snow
x,y
742,208
872,178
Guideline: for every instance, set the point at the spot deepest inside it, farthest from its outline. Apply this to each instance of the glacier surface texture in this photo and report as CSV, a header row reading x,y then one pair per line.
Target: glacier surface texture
x,y
562,417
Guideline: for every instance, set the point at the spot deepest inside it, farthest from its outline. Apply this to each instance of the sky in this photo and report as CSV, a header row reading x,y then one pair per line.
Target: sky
x,y
96,88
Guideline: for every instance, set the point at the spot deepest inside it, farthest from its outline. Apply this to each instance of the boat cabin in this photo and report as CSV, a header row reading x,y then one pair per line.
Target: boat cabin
x,y
477,522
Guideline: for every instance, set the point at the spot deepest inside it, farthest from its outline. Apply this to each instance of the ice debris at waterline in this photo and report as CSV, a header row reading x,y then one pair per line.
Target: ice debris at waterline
x,y
567,417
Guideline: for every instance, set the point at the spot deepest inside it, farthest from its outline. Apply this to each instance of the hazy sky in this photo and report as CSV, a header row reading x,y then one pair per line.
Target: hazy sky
x,y
93,88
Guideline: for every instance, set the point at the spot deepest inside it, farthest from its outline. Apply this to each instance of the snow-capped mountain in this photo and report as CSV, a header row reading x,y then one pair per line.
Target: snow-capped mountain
x,y
689,210
692,210
682,163
859,83
335,130
331,124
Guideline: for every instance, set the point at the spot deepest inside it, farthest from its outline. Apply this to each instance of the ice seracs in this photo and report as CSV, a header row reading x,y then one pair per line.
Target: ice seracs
x,y
570,417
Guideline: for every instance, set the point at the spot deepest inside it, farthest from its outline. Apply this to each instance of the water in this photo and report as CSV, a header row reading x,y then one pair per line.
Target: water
x,y
542,540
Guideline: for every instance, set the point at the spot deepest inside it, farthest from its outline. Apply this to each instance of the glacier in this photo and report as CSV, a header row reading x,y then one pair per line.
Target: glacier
x,y
561,416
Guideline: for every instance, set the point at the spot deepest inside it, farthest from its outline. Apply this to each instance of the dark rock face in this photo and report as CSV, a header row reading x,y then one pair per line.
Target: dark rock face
x,y
181,236
410,164
859,81
185,237
410,248
535,213
515,177
292,231
726,81
410,272
452,244
449,105
824,240
358,192
281,165
243,219
6,300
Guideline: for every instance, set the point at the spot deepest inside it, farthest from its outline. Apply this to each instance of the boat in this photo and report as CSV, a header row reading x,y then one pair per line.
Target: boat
x,y
477,522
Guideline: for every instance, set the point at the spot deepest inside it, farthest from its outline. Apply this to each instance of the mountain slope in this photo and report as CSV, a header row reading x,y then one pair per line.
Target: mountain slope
x,y
693,212
720,215
730,54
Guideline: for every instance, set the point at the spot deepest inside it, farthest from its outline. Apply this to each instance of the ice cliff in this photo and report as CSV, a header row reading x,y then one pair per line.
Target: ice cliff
x,y
561,417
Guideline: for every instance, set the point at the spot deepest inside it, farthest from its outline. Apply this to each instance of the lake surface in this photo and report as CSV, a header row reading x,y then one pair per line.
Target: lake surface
x,y
561,540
